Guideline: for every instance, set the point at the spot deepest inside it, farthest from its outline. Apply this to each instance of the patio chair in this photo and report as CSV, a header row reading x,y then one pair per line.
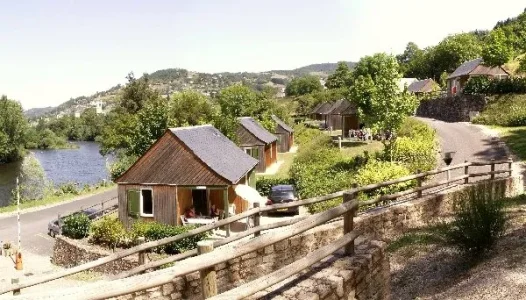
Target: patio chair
x,y
183,221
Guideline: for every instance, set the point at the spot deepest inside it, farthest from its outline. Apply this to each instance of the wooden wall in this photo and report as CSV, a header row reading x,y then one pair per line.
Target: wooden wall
x,y
268,158
350,122
164,204
261,167
275,151
184,200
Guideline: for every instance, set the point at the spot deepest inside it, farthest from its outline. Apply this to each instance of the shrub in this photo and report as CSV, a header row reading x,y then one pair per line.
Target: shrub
x,y
153,231
416,146
108,232
263,184
76,226
479,218
304,135
508,110
483,85
380,171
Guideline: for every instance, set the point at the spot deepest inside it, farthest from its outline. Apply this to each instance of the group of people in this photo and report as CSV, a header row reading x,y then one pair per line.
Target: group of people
x,y
213,213
365,134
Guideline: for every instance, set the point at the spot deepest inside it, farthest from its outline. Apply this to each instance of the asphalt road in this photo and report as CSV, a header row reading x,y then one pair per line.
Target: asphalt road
x,y
469,143
34,237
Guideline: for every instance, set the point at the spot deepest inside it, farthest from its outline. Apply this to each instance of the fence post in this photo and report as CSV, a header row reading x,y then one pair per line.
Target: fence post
x,y
15,281
208,276
419,184
348,221
492,168
510,166
142,254
102,206
256,219
466,172
339,143
59,224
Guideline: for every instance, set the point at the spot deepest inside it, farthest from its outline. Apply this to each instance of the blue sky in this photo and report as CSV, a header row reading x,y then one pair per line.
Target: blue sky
x,y
52,50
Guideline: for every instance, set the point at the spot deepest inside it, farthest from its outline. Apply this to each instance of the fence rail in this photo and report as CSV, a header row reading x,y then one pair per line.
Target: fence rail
x,y
291,228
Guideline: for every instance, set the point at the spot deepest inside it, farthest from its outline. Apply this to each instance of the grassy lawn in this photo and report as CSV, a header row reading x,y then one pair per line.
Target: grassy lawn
x,y
356,148
54,199
515,138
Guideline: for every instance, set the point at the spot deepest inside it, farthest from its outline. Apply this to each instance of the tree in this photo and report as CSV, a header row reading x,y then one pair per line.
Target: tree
x,y
136,93
341,78
454,51
380,103
190,108
303,85
13,126
151,125
497,51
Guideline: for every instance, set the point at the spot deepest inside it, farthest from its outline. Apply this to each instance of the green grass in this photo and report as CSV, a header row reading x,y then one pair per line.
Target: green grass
x,y
53,199
515,138
423,236
352,149
283,171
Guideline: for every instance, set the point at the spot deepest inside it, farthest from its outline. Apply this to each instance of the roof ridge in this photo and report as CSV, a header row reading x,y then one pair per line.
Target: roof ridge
x,y
189,127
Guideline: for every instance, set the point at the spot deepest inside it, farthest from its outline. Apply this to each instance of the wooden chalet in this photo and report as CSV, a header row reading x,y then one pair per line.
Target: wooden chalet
x,y
284,133
186,166
257,142
343,116
320,112
423,87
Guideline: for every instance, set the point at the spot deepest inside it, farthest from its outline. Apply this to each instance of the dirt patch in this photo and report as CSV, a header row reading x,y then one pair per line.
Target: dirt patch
x,y
427,268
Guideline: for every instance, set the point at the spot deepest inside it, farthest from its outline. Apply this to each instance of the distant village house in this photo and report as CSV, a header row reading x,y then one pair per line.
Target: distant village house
x,y
423,87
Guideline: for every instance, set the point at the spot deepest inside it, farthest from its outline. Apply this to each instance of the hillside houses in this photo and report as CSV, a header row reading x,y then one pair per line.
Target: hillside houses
x,y
457,80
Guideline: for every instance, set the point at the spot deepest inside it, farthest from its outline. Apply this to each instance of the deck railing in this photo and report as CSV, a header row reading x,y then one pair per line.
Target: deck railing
x,y
291,227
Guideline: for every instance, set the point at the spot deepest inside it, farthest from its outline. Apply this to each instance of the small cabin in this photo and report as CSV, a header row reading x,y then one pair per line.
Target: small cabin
x,y
257,142
189,166
344,116
456,82
285,135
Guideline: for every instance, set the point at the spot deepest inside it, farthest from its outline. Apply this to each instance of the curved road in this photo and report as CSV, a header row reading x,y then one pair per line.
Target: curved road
x,y
34,236
469,142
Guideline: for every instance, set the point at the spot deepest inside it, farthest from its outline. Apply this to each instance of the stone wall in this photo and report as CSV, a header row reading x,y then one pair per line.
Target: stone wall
x,y
365,275
70,253
459,108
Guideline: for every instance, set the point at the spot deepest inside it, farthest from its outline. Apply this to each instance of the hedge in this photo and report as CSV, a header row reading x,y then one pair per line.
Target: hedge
x,y
484,85
506,110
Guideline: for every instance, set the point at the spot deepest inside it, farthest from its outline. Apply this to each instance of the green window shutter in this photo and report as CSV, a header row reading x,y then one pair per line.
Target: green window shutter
x,y
252,179
133,197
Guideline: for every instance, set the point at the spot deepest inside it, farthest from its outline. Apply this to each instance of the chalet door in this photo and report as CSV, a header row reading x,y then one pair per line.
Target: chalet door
x,y
200,202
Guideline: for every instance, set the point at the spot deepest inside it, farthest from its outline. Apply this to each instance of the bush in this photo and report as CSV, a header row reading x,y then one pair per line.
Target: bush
x,y
479,218
76,226
416,146
153,231
508,110
108,232
380,171
263,184
484,85
304,135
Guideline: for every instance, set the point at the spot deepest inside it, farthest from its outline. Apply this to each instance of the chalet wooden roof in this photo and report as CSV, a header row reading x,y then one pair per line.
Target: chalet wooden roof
x,y
257,130
325,108
197,155
316,108
476,67
343,107
422,86
282,124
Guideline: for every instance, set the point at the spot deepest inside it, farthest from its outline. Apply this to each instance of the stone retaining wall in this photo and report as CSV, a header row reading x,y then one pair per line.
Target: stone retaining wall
x,y
70,253
452,109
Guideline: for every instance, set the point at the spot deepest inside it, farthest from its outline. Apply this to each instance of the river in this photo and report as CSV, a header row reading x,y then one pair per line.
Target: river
x,y
83,165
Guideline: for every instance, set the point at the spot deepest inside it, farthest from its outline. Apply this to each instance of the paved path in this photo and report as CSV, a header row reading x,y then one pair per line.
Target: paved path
x,y
469,142
34,236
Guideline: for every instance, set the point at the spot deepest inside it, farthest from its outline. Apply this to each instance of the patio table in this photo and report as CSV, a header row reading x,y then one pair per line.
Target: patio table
x,y
200,221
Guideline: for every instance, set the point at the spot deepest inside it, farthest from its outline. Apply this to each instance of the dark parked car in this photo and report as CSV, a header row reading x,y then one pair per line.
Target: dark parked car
x,y
53,229
283,194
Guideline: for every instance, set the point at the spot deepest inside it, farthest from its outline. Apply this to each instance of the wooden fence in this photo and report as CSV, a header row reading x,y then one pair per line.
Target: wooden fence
x,y
292,227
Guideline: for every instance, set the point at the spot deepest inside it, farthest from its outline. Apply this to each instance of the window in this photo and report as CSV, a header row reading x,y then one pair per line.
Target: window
x,y
254,152
146,203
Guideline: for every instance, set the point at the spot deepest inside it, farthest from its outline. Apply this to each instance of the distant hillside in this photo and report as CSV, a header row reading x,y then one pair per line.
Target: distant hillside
x,y
168,81
35,112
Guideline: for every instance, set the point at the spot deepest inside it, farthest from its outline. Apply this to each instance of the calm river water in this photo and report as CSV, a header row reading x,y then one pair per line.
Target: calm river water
x,y
83,165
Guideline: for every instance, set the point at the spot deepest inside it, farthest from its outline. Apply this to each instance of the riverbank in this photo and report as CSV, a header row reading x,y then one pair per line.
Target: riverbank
x,y
52,200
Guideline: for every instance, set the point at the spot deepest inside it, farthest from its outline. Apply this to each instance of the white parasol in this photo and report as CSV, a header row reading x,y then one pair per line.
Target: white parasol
x,y
250,194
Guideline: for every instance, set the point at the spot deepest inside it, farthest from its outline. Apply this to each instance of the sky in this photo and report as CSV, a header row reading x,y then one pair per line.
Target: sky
x,y
52,50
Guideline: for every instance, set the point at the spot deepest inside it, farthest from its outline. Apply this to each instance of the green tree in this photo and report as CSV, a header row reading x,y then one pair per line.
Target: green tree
x,y
136,93
380,103
13,126
152,123
454,51
303,85
497,51
238,101
190,108
341,78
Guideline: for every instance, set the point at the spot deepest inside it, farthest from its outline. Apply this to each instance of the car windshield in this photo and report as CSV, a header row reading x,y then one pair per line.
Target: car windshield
x,y
283,194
